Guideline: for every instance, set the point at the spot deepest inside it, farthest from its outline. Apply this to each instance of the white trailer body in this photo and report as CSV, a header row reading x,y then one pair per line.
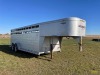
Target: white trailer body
x,y
38,38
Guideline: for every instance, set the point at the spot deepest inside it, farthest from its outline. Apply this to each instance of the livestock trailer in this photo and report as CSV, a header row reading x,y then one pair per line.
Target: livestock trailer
x,y
44,37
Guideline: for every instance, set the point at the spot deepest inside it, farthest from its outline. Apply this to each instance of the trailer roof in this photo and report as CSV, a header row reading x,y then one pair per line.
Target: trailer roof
x,y
37,24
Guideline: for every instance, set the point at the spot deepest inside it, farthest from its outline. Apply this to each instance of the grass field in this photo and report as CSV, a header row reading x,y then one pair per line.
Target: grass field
x,y
68,62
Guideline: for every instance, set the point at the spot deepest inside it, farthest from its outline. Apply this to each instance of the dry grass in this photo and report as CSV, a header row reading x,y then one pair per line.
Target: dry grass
x,y
68,62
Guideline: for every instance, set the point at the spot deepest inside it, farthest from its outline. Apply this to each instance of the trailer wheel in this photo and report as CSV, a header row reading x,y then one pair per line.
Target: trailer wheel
x,y
13,46
16,48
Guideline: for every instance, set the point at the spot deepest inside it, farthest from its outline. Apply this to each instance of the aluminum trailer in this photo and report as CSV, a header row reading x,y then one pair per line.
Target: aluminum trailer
x,y
46,37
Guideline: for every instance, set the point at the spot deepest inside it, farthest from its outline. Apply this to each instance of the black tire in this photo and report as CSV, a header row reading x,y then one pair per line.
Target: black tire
x,y
13,46
16,48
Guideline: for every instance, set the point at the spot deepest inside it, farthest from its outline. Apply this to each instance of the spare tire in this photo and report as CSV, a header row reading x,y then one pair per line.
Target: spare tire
x,y
16,48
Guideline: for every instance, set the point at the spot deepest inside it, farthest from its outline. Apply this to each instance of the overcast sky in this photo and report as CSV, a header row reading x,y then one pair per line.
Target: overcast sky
x,y
18,13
